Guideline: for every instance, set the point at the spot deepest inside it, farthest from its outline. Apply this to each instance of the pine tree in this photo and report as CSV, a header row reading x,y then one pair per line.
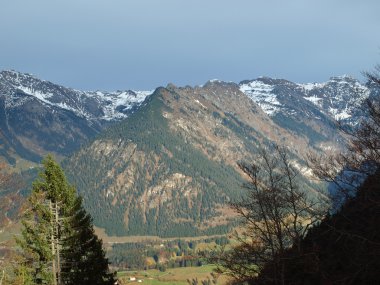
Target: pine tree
x,y
84,256
40,237
58,241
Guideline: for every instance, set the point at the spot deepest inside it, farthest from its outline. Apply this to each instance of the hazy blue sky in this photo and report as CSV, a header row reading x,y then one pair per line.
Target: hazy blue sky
x,y
142,44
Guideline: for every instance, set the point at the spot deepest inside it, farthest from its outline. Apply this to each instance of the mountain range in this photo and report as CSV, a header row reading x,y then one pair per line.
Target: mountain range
x,y
164,162
38,116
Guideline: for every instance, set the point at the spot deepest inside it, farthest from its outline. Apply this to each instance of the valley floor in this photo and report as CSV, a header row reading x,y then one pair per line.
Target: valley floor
x,y
172,276
109,240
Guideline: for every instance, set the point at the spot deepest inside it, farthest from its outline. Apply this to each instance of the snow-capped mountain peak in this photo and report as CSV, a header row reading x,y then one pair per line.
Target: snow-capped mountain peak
x,y
339,97
117,104
19,88
262,94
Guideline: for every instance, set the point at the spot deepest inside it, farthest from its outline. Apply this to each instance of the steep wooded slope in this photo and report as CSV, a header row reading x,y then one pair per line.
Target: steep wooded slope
x,y
170,168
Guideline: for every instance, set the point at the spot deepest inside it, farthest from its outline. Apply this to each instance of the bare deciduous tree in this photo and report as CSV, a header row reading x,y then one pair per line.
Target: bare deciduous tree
x,y
348,169
276,215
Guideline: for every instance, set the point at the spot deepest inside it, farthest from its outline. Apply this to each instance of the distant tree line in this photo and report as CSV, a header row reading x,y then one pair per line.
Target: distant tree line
x,y
170,254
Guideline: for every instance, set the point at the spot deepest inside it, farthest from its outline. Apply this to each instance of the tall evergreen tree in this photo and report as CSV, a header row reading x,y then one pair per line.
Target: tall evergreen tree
x,y
58,241
42,223
85,261
35,241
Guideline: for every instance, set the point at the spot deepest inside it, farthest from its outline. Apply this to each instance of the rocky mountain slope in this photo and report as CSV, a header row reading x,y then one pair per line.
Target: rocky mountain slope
x,y
38,116
339,98
168,166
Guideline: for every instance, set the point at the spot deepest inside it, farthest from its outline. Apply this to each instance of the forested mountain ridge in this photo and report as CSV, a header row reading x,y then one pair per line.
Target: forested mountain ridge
x,y
170,168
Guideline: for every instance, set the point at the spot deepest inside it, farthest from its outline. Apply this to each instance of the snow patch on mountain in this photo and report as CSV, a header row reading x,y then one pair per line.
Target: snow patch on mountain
x,y
310,86
117,103
262,94
339,115
315,100
36,93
